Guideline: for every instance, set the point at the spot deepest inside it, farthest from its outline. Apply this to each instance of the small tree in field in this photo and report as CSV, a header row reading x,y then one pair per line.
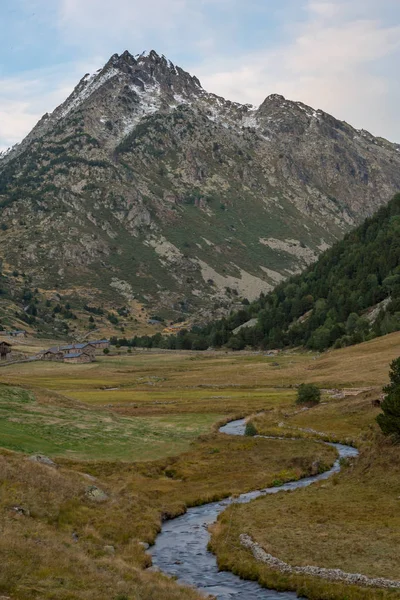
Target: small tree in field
x,y
250,429
389,419
308,393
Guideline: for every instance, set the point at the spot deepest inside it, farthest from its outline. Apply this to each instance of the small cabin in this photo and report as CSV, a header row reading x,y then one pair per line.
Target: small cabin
x,y
53,354
87,348
18,333
5,349
100,344
78,357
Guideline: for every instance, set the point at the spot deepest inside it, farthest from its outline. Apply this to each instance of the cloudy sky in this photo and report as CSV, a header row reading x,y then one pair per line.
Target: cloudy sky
x,y
342,56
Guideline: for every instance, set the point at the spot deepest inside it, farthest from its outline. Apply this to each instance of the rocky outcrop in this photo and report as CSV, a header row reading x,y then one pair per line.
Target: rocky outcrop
x,y
96,494
43,460
329,574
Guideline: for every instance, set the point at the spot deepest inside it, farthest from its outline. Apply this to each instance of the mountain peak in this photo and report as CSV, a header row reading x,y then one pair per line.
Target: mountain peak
x,y
158,67
125,190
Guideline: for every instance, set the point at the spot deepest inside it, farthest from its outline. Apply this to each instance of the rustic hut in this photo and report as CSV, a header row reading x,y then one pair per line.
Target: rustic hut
x,y
78,357
18,333
5,349
86,347
53,354
100,344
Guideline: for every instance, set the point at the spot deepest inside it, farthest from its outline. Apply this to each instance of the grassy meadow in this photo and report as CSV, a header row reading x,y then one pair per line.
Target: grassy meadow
x,y
83,434
143,428
150,383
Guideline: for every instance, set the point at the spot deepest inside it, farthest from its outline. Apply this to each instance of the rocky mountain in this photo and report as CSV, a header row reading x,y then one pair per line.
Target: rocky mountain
x,y
144,188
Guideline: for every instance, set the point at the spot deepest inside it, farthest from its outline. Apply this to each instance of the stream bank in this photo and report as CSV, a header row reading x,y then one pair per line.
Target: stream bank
x,y
181,550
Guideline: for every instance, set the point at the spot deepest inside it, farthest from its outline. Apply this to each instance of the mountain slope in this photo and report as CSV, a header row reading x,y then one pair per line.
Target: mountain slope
x,y
145,187
351,294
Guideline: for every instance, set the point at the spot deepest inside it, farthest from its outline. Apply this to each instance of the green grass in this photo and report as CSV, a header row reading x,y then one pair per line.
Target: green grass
x,y
28,426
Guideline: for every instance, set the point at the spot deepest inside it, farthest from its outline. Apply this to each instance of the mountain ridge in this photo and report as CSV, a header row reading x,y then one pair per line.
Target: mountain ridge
x,y
145,187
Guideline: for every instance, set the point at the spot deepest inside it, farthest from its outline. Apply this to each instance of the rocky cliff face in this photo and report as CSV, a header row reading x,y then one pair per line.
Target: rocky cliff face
x,y
143,186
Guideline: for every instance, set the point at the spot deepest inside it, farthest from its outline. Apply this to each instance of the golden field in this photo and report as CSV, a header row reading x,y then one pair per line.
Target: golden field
x,y
142,427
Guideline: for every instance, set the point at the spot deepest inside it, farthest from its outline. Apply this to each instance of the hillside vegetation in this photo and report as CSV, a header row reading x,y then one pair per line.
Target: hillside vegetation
x,y
350,295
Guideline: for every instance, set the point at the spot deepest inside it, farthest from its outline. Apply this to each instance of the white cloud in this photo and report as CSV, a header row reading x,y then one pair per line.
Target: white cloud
x,y
334,65
16,119
338,48
327,10
25,98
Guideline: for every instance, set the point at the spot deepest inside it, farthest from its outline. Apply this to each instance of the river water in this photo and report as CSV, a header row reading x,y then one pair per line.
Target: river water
x,y
181,547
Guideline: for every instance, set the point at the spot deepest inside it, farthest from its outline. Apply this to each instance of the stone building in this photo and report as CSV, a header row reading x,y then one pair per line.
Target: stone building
x,y
53,354
100,344
87,347
78,357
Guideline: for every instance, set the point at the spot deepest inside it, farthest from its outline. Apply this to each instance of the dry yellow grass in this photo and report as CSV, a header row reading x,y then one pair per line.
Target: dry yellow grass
x,y
345,420
350,522
56,548
40,558
224,383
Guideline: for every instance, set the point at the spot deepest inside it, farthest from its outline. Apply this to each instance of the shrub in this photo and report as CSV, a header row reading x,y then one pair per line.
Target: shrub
x,y
106,351
250,430
389,419
308,393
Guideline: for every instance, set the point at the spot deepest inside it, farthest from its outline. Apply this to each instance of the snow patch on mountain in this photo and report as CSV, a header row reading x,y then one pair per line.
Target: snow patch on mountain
x,y
91,83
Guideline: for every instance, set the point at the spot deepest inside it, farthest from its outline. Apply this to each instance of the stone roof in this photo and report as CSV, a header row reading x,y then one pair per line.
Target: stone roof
x,y
75,346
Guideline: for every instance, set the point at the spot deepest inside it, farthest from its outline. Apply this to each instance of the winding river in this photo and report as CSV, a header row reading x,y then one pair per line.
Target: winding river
x,y
180,549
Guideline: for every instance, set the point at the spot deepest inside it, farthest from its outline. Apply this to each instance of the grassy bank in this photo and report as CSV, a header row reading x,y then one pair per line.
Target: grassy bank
x,y
55,541
349,420
350,522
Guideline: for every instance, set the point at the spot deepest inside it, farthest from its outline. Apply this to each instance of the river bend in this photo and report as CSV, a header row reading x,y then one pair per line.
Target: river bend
x,y
181,551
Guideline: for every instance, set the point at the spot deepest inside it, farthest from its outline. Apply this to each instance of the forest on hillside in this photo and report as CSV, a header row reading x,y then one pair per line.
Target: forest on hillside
x,y
351,294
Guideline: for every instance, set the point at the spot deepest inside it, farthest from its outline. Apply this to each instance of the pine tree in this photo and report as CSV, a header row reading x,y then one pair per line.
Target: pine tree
x,y
389,419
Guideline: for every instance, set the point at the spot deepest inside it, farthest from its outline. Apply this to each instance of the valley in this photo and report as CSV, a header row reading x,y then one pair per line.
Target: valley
x,y
199,300
141,429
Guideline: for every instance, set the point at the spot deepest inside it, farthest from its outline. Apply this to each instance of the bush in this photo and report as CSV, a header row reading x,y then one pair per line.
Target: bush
x,y
250,430
106,351
389,419
308,393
